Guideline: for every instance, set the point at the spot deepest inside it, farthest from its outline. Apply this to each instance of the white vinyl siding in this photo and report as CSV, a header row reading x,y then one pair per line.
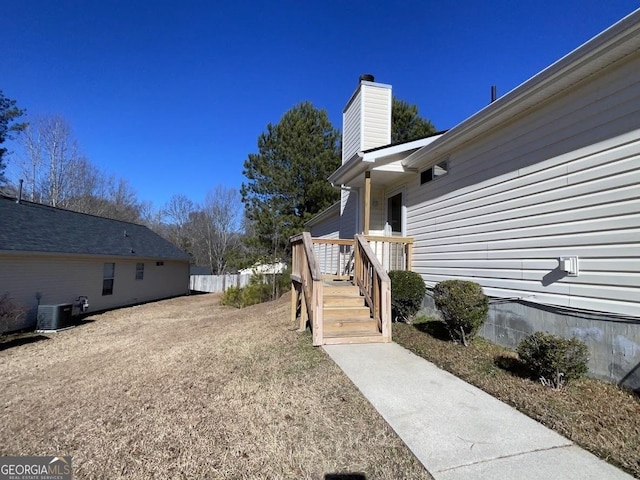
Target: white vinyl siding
x,y
376,116
351,124
377,219
349,221
328,228
562,180
366,121
62,279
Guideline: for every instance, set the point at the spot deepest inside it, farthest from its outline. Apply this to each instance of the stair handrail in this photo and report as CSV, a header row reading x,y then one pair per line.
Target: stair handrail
x,y
306,271
374,284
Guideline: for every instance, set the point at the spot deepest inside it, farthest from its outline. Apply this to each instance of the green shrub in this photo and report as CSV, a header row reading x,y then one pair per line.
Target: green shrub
x,y
232,297
407,294
464,307
552,359
261,288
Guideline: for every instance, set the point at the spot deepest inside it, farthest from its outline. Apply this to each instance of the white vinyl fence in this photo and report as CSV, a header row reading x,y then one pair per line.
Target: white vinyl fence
x,y
217,283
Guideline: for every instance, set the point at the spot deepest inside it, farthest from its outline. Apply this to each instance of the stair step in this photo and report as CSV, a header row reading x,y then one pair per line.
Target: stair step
x,y
346,312
343,301
345,290
352,339
349,327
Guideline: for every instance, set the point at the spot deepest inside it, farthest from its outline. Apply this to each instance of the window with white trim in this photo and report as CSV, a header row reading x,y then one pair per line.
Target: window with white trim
x,y
108,276
434,172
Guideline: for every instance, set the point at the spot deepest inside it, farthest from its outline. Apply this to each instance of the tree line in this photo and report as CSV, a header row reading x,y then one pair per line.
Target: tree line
x,y
286,184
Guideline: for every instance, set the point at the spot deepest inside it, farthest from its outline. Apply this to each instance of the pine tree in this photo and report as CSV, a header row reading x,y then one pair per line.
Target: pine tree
x,y
287,179
8,115
407,124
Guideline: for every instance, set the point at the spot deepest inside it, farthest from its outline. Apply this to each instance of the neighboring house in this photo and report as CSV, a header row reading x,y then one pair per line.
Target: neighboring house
x,y
536,197
264,269
53,256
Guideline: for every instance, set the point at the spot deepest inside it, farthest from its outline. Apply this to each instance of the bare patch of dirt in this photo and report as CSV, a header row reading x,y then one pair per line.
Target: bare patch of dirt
x,y
186,388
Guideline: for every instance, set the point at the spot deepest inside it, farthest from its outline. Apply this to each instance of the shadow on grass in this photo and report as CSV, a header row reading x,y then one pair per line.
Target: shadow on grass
x,y
345,476
21,340
84,321
434,328
512,365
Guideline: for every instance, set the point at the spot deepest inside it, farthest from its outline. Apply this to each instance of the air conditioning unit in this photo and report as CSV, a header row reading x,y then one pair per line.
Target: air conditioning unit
x,y
54,317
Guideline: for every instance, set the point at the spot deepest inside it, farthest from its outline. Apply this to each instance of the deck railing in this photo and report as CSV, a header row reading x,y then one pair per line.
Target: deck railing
x,y
394,253
335,256
306,285
374,284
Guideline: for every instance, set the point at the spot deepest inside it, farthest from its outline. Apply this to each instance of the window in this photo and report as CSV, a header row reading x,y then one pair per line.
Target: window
x,y
159,264
434,172
139,271
108,274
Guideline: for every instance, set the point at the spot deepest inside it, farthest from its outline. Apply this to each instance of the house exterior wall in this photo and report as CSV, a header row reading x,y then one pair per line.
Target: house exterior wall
x,y
378,211
329,227
61,279
349,213
563,180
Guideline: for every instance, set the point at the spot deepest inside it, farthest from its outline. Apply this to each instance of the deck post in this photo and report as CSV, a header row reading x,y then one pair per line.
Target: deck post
x,y
367,201
294,302
303,311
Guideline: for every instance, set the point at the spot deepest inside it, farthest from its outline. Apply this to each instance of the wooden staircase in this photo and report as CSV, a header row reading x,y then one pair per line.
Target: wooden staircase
x,y
339,307
346,317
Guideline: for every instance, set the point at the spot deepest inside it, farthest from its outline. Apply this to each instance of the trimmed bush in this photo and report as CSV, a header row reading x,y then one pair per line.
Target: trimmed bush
x,y
464,307
407,293
552,359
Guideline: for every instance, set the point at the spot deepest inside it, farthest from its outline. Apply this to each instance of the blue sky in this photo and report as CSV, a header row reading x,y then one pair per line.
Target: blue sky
x,y
173,95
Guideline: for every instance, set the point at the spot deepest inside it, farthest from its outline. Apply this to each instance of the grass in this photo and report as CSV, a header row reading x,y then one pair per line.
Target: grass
x,y
598,416
186,388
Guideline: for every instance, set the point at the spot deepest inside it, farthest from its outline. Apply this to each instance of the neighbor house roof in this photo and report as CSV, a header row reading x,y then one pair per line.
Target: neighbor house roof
x,y
36,228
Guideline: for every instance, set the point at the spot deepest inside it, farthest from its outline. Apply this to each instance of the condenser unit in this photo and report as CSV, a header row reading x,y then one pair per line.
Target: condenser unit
x,y
54,317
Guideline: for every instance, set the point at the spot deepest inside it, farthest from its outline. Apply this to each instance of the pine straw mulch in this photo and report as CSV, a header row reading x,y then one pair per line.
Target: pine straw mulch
x,y
185,388
598,416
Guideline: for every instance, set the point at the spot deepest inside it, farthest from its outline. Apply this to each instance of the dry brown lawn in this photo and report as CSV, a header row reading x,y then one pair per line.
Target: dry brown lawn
x,y
185,388
596,415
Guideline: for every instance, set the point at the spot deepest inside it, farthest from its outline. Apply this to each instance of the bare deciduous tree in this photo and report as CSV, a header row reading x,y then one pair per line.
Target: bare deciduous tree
x,y
177,213
51,159
210,232
222,212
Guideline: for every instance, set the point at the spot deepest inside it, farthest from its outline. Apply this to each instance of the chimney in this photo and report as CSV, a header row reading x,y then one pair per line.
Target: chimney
x,y
366,120
19,199
494,93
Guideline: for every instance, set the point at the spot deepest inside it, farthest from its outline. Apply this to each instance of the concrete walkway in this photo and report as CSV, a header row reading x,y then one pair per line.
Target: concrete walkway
x,y
456,430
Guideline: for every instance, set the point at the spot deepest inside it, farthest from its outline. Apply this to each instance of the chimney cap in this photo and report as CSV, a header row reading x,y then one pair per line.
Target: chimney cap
x,y
367,77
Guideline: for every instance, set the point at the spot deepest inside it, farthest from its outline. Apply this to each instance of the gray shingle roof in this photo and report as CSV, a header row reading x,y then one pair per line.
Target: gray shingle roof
x,y
31,227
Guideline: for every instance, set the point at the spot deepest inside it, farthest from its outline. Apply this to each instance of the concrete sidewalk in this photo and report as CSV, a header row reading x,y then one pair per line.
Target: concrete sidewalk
x,y
456,430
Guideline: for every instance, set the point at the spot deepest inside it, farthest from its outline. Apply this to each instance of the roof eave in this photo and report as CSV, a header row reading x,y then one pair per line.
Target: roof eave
x,y
319,217
615,43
